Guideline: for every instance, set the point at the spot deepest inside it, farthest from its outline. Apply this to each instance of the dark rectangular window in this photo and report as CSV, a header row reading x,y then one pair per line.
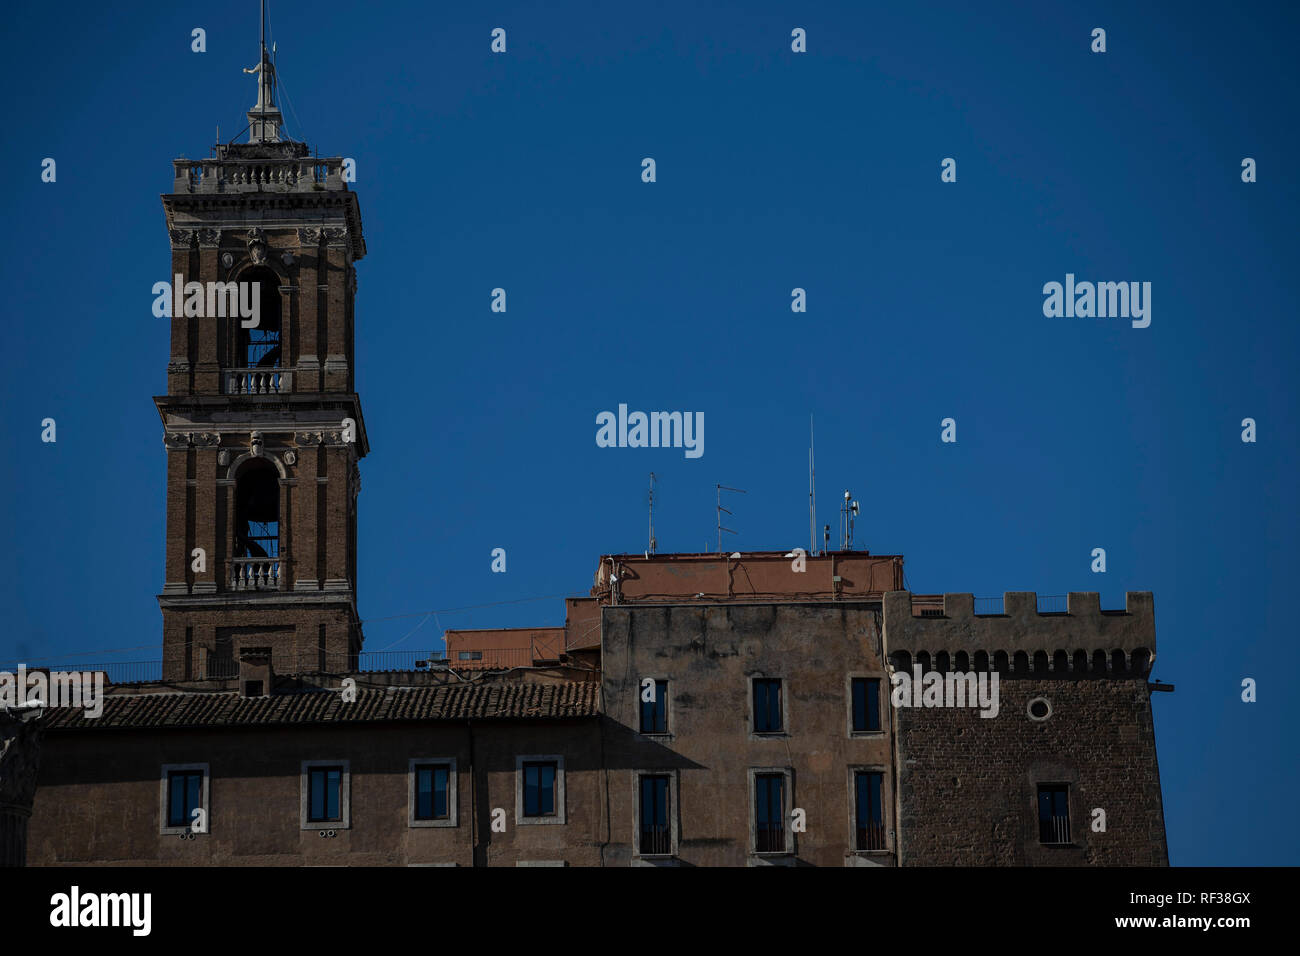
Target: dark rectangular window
x,y
866,704
431,793
184,796
767,706
869,810
769,812
654,713
324,794
1053,813
539,789
656,833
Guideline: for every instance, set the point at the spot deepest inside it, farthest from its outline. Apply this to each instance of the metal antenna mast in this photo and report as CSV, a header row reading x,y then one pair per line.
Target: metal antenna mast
x,y
652,514
848,511
721,510
812,492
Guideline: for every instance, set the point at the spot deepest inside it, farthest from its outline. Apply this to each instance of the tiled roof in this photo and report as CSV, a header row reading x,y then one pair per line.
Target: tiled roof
x,y
488,701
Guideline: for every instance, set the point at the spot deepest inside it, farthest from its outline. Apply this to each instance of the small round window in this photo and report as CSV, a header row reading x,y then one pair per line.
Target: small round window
x,y
1039,709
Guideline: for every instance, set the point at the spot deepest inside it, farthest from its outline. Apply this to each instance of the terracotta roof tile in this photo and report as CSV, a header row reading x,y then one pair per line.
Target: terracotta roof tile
x,y
492,701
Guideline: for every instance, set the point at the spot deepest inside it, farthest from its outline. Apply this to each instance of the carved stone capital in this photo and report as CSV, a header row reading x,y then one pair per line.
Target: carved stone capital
x,y
182,238
335,235
209,238
308,438
308,236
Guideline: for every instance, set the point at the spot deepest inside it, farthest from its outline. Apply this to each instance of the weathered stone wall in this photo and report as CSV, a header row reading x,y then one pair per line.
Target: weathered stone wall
x,y
968,785
708,655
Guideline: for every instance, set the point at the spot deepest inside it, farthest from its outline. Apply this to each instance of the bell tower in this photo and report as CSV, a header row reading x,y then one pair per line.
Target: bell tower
x,y
261,421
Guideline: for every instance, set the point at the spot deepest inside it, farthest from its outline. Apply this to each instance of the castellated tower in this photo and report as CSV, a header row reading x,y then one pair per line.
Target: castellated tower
x,y
261,420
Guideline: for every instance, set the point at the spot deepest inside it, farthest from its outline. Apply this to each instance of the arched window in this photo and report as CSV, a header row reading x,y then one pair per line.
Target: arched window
x,y
257,510
259,347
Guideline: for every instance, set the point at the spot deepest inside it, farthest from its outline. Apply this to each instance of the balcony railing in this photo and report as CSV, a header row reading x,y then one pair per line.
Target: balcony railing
x,y
656,839
770,837
270,174
871,837
254,574
1054,830
258,381
988,606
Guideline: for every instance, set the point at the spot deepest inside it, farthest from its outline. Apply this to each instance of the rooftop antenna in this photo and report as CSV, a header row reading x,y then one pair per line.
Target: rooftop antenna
x,y
652,515
721,510
826,539
812,492
848,511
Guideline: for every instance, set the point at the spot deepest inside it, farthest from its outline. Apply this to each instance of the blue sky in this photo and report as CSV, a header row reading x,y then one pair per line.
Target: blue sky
x,y
775,170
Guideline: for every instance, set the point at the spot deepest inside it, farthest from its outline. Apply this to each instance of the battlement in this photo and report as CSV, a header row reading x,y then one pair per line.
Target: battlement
x,y
1021,639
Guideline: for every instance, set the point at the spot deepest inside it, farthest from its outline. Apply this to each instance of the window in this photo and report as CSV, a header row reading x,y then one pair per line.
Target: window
x,y
1054,813
259,347
769,813
539,789
866,704
326,799
654,712
325,785
655,819
252,688
432,791
767,706
182,789
185,796
869,810
469,655
257,512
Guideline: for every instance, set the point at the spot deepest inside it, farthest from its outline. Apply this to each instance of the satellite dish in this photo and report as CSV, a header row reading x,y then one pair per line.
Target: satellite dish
x,y
735,556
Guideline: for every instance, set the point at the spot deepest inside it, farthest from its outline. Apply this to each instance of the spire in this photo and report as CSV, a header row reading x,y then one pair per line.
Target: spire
x,y
264,118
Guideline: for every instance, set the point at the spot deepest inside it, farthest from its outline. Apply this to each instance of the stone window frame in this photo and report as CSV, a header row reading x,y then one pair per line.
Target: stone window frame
x,y
674,831
167,768
787,796
886,805
669,722
453,786
883,702
785,709
560,817
345,796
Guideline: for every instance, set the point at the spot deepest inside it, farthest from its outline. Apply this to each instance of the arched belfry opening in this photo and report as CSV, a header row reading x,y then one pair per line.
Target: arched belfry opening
x,y
257,510
260,347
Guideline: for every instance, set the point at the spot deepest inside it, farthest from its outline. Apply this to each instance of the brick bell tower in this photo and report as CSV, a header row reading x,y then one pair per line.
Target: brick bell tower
x,y
261,420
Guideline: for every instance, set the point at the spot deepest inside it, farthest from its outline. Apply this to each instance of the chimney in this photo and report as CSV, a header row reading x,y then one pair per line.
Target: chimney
x,y
254,671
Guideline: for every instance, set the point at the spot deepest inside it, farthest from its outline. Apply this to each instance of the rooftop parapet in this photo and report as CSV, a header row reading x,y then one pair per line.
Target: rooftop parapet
x,y
273,173
1121,638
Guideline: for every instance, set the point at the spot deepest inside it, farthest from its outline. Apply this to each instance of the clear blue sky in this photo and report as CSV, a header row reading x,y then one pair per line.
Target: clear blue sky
x,y
775,171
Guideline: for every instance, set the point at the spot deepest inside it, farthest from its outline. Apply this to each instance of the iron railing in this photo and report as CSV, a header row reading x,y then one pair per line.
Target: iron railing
x,y
1054,829
871,836
988,606
1053,604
